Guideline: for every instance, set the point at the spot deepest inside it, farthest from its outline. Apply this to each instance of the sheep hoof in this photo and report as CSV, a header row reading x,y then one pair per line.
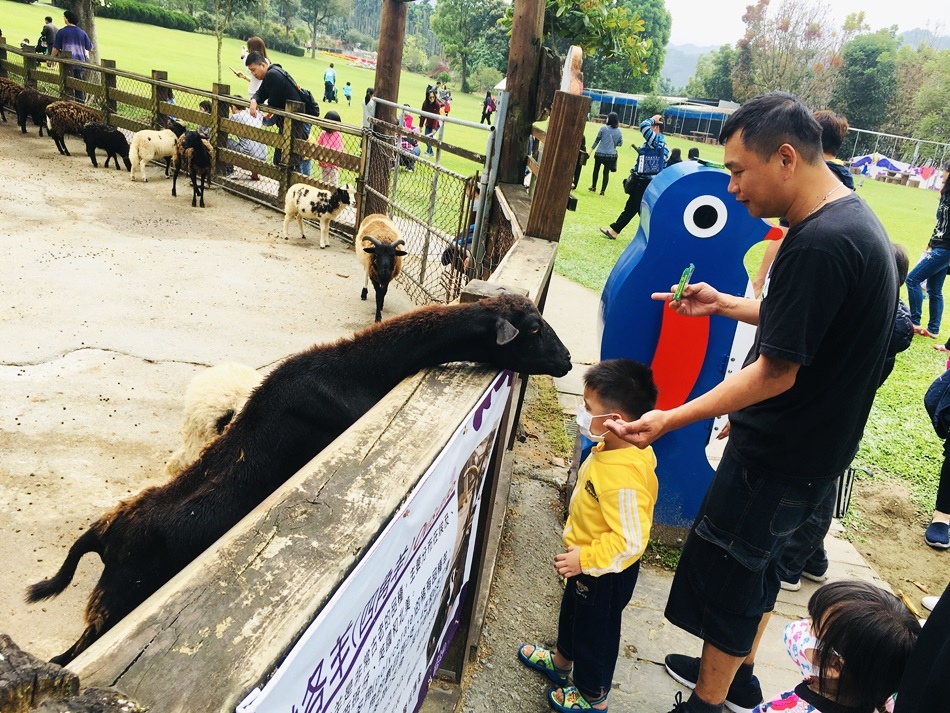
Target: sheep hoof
x,y
363,294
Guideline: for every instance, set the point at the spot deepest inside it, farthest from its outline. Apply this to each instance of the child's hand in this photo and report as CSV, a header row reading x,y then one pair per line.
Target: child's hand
x,y
568,564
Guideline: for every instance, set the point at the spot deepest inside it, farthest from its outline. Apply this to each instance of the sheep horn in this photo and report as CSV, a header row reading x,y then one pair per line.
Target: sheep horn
x,y
373,240
399,242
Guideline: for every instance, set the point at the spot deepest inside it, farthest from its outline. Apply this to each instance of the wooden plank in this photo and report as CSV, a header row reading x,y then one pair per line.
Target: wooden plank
x,y
219,627
515,204
322,153
539,133
253,133
534,166
135,100
527,266
124,122
565,130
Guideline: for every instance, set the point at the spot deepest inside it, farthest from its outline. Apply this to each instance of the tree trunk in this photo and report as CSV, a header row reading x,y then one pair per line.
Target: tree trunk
x,y
86,10
219,34
464,74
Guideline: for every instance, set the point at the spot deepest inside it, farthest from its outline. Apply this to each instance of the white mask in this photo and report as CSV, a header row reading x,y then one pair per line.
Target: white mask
x,y
584,419
800,641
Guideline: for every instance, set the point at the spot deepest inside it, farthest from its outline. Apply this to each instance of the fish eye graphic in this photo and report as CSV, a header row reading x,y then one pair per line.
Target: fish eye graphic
x,y
705,216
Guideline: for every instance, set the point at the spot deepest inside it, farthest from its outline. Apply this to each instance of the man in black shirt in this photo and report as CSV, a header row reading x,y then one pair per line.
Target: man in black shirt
x,y
277,88
798,406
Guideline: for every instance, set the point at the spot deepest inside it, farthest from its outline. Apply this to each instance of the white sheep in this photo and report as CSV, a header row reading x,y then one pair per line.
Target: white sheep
x,y
377,249
148,145
305,201
212,400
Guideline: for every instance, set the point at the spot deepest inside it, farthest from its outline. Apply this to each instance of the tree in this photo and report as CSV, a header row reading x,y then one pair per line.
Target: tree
x,y
912,73
867,79
614,73
713,77
794,48
460,24
86,12
316,12
933,100
287,11
224,12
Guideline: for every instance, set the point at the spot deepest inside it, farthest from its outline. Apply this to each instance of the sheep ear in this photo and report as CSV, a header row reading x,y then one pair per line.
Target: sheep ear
x,y
401,253
369,250
505,331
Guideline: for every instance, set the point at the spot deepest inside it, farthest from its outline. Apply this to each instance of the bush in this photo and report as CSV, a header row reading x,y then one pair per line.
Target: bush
x,y
413,56
273,35
485,78
444,77
205,20
147,15
355,38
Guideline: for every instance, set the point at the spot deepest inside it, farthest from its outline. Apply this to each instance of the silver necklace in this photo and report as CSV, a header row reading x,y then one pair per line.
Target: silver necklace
x,y
823,199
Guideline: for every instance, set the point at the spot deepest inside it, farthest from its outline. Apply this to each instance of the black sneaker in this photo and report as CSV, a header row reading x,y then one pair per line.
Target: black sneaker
x,y
679,705
739,699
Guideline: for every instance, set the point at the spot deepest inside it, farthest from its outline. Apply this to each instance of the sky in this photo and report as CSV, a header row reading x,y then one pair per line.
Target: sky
x,y
720,22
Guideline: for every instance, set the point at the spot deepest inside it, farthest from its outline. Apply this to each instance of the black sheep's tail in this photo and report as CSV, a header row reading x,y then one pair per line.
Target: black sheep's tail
x,y
87,542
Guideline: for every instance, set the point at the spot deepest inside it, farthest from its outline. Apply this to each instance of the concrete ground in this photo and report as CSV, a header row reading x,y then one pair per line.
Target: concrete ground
x,y
113,295
528,603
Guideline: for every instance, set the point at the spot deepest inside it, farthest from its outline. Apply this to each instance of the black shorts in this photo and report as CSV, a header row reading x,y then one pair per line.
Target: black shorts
x,y
727,576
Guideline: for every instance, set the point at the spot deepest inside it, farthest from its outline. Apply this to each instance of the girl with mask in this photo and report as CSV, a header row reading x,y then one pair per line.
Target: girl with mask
x,y
607,529
851,651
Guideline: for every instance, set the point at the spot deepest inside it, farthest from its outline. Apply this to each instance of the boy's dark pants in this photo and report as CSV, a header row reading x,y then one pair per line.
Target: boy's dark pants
x,y
588,631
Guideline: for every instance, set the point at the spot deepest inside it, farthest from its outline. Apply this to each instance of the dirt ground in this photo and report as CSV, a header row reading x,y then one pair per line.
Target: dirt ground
x,y
113,295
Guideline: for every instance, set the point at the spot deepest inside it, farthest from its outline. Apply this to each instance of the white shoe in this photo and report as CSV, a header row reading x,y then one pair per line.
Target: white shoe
x,y
790,586
930,602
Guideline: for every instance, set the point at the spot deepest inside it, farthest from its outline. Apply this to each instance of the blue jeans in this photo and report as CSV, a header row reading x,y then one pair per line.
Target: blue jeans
x,y
588,631
932,268
805,549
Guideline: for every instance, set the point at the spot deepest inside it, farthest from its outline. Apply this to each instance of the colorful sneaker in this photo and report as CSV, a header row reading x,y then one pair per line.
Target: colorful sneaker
x,y
740,698
938,535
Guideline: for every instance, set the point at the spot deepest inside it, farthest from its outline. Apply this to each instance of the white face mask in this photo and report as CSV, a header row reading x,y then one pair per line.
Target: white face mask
x,y
800,641
584,419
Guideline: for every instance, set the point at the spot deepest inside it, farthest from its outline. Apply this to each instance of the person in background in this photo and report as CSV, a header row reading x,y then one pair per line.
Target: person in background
x,y
693,154
329,83
254,44
408,142
277,88
608,139
582,157
243,145
48,35
329,138
204,131
430,125
488,108
369,107
676,155
348,93
652,130
932,268
73,39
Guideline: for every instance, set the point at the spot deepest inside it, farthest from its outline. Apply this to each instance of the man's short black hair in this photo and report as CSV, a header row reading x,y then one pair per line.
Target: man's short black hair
x,y
770,120
49,19
71,17
253,58
623,385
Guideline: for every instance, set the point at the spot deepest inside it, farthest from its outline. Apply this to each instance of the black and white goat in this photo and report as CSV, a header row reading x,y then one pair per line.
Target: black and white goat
x,y
109,139
305,201
66,117
195,155
296,412
30,104
377,249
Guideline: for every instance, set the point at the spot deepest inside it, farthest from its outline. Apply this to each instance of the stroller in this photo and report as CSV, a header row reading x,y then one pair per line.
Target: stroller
x,y
336,95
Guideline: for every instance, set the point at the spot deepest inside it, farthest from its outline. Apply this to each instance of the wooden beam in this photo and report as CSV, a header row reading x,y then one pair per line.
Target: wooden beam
x,y
550,199
524,60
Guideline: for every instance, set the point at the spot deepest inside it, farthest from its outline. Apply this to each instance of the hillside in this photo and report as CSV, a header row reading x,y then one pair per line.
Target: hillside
x,y
680,62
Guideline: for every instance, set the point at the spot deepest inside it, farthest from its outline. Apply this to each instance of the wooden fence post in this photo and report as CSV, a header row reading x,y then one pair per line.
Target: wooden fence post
x,y
108,84
3,55
220,109
561,146
29,67
290,159
159,93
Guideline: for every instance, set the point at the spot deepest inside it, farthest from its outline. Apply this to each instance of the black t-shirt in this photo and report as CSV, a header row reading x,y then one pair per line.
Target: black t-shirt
x,y
277,88
941,234
829,307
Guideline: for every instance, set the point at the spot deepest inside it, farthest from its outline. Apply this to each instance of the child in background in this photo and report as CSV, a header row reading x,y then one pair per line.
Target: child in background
x,y
205,131
348,93
607,529
852,651
331,139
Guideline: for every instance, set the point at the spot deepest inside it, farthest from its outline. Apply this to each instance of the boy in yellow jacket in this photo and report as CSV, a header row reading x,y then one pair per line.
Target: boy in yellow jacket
x,y
607,529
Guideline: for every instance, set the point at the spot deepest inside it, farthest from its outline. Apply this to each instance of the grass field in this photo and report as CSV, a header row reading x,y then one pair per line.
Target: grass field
x,y
898,441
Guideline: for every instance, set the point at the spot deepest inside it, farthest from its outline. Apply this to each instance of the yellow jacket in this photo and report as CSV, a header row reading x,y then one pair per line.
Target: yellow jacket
x,y
612,508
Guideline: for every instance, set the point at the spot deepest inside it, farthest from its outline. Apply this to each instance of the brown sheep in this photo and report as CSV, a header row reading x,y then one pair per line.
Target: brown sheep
x,y
8,94
66,117
377,249
196,156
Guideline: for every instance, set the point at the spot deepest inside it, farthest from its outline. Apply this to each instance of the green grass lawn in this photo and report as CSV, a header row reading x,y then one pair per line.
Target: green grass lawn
x,y
898,440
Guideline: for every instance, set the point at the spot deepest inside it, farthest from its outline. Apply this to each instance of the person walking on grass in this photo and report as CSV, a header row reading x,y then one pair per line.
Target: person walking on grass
x,y
73,39
636,184
932,268
806,380
605,145
329,84
607,529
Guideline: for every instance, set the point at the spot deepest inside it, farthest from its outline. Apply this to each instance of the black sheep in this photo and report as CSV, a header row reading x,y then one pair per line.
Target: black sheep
x,y
9,90
31,104
108,138
195,155
296,412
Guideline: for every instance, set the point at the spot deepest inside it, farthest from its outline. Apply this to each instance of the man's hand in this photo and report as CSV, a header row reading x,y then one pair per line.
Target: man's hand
x,y
697,300
568,564
253,108
643,431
